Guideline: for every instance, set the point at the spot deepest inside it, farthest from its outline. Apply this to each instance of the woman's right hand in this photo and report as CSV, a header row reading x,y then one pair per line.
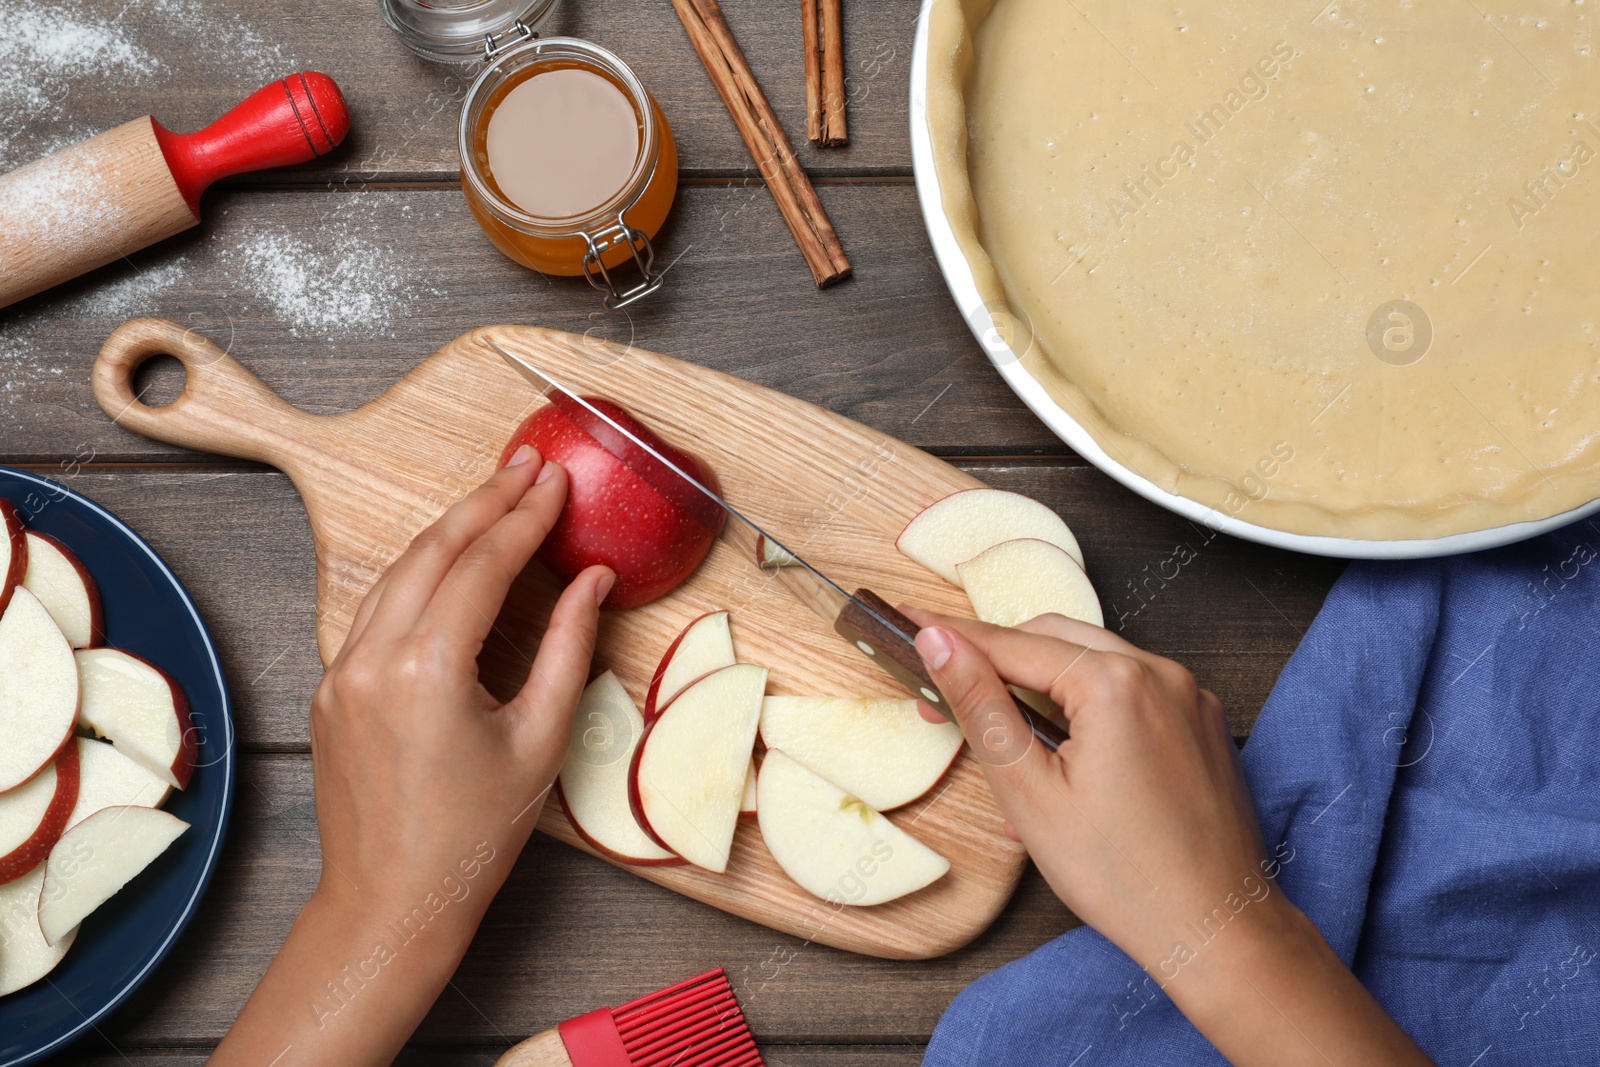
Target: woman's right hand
x,y
1141,823
1143,826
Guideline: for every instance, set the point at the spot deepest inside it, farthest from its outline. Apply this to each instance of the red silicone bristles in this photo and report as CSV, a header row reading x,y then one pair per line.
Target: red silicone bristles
x,y
695,1023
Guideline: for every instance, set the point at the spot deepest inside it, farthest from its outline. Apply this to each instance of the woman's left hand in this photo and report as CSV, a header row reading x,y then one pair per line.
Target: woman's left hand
x,y
427,787
421,775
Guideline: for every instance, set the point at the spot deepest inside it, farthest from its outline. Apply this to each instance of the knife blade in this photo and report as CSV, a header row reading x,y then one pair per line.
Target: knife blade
x,y
877,630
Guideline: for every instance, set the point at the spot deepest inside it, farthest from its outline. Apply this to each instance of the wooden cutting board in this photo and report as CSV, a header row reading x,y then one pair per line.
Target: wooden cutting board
x,y
834,490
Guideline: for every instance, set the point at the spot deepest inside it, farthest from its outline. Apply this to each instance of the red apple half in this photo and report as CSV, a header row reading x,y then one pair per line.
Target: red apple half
x,y
623,508
688,776
876,748
13,551
834,845
1020,580
65,588
953,530
705,645
25,956
38,689
108,779
34,815
141,709
593,783
96,858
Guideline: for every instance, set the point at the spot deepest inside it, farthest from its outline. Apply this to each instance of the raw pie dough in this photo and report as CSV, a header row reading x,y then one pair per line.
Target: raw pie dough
x,y
1329,272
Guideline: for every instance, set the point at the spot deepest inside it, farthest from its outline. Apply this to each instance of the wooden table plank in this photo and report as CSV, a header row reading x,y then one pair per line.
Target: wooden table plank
x,y
187,61
239,540
330,296
566,934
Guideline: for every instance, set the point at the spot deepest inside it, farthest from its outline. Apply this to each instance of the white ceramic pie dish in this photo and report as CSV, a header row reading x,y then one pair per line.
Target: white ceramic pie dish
x,y
991,334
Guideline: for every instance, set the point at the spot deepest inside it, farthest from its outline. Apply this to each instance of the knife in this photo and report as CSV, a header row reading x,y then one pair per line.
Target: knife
x,y
864,619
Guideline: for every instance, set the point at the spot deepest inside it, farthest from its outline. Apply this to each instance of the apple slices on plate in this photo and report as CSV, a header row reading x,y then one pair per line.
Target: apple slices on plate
x,y
34,815
38,689
705,645
951,531
593,783
13,552
1022,579
96,858
687,781
108,779
876,748
140,709
65,588
25,956
833,844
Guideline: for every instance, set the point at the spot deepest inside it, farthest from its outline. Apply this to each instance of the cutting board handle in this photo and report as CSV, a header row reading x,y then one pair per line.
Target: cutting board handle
x,y
223,407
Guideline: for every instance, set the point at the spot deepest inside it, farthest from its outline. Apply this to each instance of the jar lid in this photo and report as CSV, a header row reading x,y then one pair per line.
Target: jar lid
x,y
455,31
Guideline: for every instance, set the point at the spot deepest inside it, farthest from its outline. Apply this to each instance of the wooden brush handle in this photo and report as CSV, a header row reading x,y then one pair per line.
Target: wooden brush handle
x,y
223,407
541,1050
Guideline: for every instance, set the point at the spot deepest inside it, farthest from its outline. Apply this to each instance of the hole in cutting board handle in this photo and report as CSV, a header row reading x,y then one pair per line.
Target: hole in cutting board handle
x,y
222,407
159,380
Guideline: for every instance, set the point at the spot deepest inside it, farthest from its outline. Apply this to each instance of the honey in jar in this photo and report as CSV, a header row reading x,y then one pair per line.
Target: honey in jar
x,y
568,164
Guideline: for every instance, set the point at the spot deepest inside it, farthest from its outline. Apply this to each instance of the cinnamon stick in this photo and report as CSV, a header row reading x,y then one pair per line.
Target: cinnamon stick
x,y
763,135
823,21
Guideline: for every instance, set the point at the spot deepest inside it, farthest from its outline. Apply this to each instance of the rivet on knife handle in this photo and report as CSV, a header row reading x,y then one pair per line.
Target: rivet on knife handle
x,y
892,652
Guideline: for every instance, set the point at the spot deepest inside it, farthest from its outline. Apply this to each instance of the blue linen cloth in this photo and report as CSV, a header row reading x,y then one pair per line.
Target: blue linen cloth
x,y
1427,769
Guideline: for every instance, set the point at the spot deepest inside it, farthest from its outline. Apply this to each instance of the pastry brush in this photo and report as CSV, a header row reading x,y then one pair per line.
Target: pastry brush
x,y
696,1023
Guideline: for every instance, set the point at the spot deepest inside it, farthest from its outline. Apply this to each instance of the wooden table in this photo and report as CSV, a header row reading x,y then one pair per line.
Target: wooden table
x,y
384,224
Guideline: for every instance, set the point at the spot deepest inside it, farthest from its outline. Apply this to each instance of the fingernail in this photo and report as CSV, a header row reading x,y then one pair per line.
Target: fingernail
x,y
521,455
545,472
602,587
935,646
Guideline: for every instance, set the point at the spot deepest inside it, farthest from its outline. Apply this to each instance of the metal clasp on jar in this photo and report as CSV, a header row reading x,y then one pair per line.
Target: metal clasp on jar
x,y
519,32
643,255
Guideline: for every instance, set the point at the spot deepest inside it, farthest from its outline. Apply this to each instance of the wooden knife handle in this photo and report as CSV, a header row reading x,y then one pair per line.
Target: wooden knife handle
x,y
541,1050
898,656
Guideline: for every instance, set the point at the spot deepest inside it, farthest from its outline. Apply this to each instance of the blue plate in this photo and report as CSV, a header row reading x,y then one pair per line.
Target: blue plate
x,y
148,613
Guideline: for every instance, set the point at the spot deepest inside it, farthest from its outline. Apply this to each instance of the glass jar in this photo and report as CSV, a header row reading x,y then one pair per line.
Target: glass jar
x,y
595,242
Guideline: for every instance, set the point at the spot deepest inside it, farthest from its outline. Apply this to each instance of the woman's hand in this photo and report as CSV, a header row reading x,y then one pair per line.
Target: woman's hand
x,y
1141,822
427,787
420,773
1143,826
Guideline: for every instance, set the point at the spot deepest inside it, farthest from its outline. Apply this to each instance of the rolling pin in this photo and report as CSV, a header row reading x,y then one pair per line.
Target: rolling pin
x,y
98,200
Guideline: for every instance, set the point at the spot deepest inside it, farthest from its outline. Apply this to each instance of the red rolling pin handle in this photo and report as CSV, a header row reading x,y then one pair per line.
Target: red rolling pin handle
x,y
293,120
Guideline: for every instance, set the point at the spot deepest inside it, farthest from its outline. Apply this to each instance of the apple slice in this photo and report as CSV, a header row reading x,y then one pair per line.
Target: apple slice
x,y
705,645
141,709
96,858
38,689
25,956
13,552
747,803
593,783
65,588
953,530
837,847
1019,580
108,779
875,748
688,776
33,816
